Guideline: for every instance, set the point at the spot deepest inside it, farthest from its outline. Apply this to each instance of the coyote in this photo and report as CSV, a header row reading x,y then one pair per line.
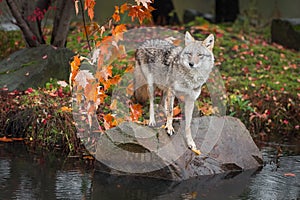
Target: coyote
x,y
177,71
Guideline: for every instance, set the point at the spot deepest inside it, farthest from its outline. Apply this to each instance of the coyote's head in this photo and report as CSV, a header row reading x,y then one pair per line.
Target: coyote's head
x,y
197,54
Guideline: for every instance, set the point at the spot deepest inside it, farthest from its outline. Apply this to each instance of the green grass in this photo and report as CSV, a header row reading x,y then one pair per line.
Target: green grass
x,y
264,76
262,79
10,42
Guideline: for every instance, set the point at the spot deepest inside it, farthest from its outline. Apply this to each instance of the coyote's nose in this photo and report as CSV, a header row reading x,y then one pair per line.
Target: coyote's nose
x,y
191,64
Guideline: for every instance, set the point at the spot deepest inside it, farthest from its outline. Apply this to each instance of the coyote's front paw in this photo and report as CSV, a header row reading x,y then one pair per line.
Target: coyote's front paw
x,y
191,144
170,129
152,123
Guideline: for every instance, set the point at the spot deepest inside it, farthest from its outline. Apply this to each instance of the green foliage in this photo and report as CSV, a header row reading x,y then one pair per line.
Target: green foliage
x,y
239,106
198,21
48,120
10,42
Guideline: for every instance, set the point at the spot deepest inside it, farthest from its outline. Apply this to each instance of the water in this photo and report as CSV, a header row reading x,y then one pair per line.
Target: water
x,y
25,175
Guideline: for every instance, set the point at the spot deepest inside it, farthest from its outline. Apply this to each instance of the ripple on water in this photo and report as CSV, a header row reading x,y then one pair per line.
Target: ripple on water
x,y
72,185
279,178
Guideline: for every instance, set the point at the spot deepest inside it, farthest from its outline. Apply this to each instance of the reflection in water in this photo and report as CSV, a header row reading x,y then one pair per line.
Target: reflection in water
x,y
72,185
4,171
25,176
273,183
208,187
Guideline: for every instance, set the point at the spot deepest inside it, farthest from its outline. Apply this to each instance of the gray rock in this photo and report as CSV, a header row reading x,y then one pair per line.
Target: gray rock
x,y
191,14
132,149
286,33
33,67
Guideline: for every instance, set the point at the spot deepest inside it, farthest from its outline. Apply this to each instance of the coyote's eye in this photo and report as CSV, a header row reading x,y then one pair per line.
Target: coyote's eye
x,y
200,55
188,54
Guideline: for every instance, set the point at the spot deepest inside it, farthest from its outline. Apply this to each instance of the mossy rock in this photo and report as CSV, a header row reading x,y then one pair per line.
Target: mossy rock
x,y
33,67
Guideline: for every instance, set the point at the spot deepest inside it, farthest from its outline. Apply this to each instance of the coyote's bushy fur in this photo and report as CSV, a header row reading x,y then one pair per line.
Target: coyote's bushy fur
x,y
178,71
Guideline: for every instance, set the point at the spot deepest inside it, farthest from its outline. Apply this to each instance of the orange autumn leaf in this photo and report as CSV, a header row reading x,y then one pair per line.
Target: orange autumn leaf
x,y
112,81
130,89
135,112
5,139
124,8
17,139
176,111
116,15
290,174
130,68
140,12
89,5
119,29
109,121
104,73
75,64
91,92
88,157
204,27
102,96
235,48
115,80
134,12
117,9
106,84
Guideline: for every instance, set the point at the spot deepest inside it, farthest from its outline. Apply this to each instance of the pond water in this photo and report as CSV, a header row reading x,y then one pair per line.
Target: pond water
x,y
27,175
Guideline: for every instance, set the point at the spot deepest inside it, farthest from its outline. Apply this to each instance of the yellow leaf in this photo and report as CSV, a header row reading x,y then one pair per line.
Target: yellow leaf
x,y
196,151
129,68
129,89
113,105
66,109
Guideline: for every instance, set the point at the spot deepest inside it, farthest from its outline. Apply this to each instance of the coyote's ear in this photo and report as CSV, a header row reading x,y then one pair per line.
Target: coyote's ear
x,y
188,38
209,42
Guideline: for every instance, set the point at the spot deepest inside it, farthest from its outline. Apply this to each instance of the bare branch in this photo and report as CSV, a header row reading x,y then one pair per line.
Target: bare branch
x,y
61,23
29,36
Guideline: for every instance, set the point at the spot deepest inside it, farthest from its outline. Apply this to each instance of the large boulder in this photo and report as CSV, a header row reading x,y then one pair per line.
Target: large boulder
x,y
33,67
132,149
286,32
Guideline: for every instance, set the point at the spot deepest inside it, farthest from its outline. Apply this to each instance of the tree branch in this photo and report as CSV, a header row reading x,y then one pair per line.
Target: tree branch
x,y
61,23
29,36
84,25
